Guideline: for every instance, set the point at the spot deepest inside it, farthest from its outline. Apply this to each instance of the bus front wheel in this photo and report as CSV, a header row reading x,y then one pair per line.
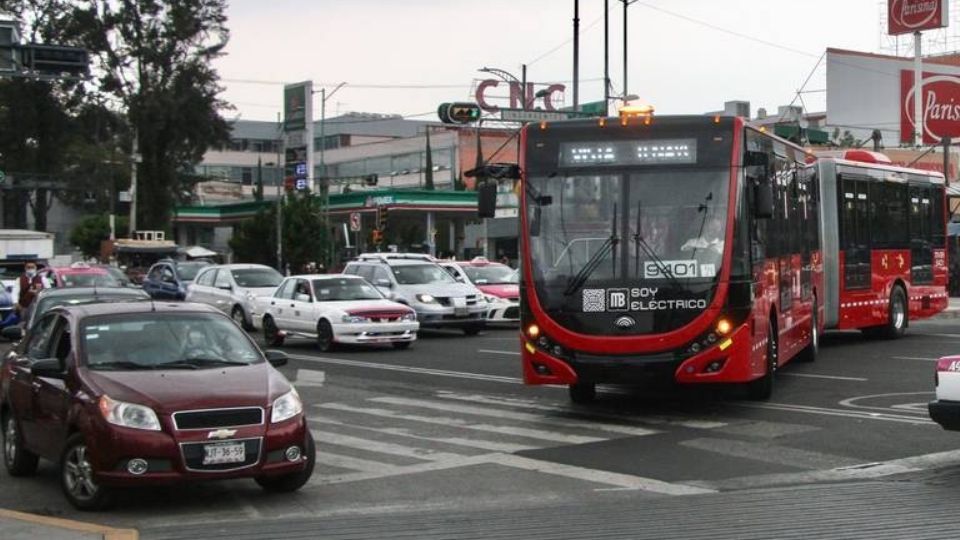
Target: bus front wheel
x,y
762,388
897,317
583,392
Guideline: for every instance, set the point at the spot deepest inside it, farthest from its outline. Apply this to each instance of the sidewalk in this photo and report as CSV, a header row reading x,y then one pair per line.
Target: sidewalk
x,y
22,526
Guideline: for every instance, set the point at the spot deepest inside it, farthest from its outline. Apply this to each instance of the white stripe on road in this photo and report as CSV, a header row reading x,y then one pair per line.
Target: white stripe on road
x,y
479,444
835,412
310,377
924,358
526,404
464,424
381,447
511,415
833,377
352,463
409,369
770,453
493,351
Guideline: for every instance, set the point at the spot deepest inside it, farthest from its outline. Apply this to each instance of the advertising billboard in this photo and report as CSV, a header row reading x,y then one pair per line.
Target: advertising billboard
x,y
940,105
909,16
298,135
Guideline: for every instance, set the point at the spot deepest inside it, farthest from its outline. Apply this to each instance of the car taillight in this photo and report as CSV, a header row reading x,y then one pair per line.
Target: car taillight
x,y
948,363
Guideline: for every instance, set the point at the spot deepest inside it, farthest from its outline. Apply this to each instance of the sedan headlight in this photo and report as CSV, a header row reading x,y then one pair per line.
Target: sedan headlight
x,y
128,415
491,299
426,299
354,319
286,407
412,316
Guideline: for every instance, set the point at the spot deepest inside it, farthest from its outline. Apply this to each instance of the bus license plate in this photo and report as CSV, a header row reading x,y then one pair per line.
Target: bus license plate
x,y
224,453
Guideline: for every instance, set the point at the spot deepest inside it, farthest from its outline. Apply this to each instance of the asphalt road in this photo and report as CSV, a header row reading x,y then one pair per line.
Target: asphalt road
x,y
446,428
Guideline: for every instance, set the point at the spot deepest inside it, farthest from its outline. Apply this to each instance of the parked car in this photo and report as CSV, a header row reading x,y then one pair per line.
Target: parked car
x,y
333,309
945,409
48,299
77,275
118,274
498,283
233,289
169,279
142,393
438,299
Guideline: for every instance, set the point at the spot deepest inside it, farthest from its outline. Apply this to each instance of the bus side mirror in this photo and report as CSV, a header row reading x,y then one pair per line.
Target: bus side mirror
x,y
487,199
762,198
534,225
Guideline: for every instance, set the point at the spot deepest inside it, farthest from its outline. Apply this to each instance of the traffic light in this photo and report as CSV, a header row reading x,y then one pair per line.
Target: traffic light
x,y
370,180
459,113
381,218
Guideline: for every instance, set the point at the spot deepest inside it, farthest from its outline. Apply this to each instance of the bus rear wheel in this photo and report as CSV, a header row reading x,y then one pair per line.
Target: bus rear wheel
x,y
583,393
809,353
897,317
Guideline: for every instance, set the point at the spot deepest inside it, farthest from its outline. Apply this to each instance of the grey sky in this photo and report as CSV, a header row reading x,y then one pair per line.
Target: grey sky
x,y
676,64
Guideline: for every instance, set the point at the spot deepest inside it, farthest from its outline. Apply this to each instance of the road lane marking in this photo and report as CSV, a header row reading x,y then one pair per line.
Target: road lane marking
x,y
409,369
494,351
478,444
562,408
924,358
816,376
464,424
771,453
836,412
953,336
310,377
914,407
352,463
512,415
379,447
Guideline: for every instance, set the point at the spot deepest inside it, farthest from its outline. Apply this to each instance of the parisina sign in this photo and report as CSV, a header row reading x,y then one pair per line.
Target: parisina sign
x,y
940,106
909,16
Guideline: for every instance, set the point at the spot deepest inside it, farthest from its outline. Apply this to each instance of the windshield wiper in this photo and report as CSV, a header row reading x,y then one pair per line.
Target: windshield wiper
x,y
195,362
120,364
641,244
609,245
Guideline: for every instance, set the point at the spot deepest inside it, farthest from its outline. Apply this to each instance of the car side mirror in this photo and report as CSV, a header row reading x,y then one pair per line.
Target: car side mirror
x,y
276,358
13,333
763,199
384,283
49,368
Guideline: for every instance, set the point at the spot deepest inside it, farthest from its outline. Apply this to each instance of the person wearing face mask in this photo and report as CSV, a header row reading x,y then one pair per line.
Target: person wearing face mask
x,y
30,285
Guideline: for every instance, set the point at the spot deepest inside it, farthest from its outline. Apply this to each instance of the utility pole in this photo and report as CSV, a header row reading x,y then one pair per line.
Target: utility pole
x,y
279,201
606,57
625,5
324,185
135,161
576,55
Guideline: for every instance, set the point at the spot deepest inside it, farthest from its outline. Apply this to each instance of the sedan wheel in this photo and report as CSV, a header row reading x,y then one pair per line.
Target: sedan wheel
x,y
78,478
19,462
271,334
325,340
239,318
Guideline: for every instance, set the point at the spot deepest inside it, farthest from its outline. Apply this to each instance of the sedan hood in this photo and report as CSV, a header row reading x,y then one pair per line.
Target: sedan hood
x,y
501,290
174,390
258,291
441,289
360,307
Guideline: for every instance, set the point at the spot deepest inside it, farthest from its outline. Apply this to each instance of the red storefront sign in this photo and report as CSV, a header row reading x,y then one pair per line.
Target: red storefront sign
x,y
940,106
908,16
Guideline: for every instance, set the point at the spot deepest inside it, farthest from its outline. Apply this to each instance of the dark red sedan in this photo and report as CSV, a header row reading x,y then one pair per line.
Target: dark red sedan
x,y
146,393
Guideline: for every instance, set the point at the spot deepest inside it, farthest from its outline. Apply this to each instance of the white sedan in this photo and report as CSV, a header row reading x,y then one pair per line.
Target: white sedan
x,y
945,410
334,309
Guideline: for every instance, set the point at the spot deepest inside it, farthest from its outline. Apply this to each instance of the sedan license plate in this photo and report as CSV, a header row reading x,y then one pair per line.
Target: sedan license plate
x,y
224,453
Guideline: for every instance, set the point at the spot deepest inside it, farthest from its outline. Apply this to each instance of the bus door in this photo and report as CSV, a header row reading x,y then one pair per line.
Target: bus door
x,y
854,233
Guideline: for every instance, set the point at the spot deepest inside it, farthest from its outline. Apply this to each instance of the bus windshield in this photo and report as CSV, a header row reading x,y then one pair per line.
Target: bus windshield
x,y
656,234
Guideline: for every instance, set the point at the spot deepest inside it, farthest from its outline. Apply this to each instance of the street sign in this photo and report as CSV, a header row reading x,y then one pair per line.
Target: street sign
x,y
355,221
591,108
520,115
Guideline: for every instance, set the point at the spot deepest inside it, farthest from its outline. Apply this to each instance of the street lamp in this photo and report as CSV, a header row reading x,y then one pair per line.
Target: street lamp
x,y
324,184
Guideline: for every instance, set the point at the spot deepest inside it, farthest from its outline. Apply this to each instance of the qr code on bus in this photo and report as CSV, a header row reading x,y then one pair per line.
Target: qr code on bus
x,y
594,300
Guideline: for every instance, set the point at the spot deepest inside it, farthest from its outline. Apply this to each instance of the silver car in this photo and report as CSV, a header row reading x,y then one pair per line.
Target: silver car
x,y
233,289
439,300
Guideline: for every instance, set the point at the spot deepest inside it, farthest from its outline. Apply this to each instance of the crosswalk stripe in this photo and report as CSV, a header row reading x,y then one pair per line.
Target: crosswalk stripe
x,y
511,415
464,424
479,444
381,447
525,404
352,463
780,455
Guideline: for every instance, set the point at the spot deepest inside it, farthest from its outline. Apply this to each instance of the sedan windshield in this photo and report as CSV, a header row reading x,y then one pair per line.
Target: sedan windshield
x,y
421,274
254,278
165,341
47,303
490,274
343,289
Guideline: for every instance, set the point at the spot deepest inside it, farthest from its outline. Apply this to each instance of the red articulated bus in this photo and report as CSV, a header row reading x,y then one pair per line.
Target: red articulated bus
x,y
692,249
887,227
680,249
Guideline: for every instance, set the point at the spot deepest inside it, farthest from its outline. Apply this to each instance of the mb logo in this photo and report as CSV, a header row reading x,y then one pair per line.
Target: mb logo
x,y
617,299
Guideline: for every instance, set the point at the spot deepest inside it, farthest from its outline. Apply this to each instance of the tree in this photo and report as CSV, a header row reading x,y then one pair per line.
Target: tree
x,y
304,236
92,230
156,57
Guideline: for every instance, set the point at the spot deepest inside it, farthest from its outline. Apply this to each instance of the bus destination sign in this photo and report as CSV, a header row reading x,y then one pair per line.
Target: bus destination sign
x,y
620,153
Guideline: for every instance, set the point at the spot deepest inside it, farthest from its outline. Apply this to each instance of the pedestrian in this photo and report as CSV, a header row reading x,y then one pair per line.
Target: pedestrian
x,y
30,284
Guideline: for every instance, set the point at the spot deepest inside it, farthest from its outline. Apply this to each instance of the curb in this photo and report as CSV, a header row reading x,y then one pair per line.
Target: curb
x,y
947,314
108,533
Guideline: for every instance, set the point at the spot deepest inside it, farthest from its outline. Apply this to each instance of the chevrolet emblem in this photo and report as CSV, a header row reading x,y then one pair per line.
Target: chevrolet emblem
x,y
222,434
